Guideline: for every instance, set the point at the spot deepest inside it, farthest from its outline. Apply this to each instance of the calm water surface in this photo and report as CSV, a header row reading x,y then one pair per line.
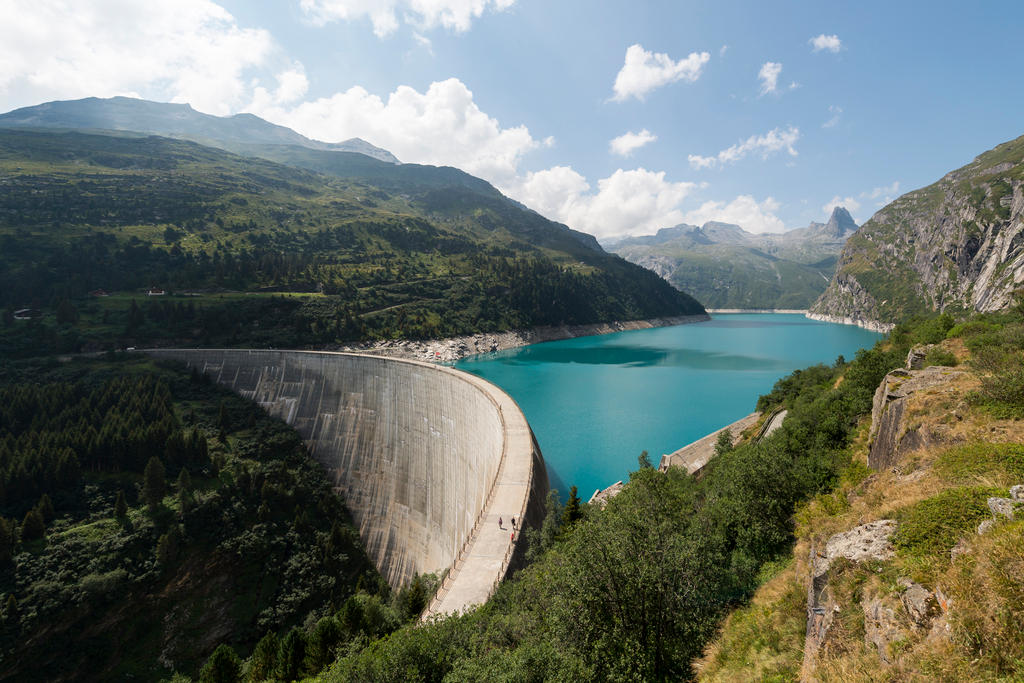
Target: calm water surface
x,y
596,402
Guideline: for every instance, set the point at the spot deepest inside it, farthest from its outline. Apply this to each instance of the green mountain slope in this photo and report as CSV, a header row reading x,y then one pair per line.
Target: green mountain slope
x,y
956,245
258,253
233,133
724,266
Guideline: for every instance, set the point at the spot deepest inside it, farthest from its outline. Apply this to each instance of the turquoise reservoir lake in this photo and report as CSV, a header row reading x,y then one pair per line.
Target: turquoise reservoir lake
x,y
596,402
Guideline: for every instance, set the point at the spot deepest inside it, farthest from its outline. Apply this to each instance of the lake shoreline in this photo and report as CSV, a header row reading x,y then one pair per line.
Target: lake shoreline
x,y
451,349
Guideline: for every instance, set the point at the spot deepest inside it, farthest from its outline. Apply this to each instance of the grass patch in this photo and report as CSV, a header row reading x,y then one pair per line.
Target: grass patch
x,y
932,526
940,356
763,640
996,463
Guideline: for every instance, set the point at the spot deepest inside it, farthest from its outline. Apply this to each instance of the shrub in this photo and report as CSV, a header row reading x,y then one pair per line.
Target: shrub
x,y
978,461
940,356
933,526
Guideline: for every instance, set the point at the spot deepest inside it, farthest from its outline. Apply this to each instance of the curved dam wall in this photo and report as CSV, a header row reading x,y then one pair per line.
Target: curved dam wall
x,y
425,456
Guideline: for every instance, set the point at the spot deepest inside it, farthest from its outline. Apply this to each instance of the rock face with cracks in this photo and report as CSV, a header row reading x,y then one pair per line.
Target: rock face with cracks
x,y
955,245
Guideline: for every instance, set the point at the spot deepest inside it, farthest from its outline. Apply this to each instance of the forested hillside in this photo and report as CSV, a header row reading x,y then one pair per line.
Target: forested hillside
x,y
148,517
251,252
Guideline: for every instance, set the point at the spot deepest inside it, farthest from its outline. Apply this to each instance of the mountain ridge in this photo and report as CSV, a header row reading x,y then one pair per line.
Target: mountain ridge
x,y
955,246
726,267
175,120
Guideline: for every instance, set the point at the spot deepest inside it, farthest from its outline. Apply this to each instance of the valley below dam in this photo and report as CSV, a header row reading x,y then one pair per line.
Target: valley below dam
x,y
595,403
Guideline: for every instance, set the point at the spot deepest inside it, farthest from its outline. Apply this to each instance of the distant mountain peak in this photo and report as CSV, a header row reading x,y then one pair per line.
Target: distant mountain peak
x,y
840,222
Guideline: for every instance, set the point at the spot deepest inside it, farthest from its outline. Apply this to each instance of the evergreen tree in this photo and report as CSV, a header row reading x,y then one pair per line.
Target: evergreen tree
x,y
154,483
67,314
167,546
223,666
323,641
263,664
184,487
45,507
6,542
572,511
292,655
33,526
120,507
11,608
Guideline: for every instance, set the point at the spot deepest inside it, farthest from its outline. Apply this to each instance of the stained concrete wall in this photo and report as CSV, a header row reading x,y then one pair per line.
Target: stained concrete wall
x,y
417,450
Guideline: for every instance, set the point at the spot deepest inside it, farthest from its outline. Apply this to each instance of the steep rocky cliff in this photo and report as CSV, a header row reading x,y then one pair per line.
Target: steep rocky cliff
x,y
956,245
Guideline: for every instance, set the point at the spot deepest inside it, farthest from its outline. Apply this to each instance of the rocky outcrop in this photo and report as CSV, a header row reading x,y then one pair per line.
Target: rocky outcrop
x,y
865,542
890,437
957,244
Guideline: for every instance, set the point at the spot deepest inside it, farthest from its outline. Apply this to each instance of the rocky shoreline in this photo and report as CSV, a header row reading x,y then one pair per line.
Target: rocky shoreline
x,y
452,349
873,325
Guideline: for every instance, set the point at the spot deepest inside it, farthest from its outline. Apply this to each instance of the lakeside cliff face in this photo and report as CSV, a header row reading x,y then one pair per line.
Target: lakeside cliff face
x,y
956,245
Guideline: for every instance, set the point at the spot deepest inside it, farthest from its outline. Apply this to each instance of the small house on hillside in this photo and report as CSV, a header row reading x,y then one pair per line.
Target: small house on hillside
x,y
153,291
99,292
27,314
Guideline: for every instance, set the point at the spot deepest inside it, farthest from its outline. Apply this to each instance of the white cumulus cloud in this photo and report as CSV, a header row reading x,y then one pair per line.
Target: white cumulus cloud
x,y
882,195
848,203
744,211
823,42
455,15
769,77
644,71
442,125
775,140
627,143
180,50
628,202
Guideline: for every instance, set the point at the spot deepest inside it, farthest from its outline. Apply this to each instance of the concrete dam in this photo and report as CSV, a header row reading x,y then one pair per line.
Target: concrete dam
x,y
427,458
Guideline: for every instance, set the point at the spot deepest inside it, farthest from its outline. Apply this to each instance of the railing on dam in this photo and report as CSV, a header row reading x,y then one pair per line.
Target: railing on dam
x,y
427,457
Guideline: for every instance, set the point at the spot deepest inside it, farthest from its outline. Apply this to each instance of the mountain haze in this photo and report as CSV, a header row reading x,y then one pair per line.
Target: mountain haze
x,y
724,266
240,133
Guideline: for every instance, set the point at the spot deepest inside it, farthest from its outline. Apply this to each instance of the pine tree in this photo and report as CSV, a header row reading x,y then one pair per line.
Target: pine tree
x,y
263,664
6,542
45,507
223,666
155,485
572,511
11,608
292,655
32,527
184,487
120,507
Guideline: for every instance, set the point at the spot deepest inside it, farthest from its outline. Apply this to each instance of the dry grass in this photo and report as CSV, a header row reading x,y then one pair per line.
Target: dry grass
x,y
981,635
764,640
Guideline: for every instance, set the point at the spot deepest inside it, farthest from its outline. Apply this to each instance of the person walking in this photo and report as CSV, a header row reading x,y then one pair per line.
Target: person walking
x,y
499,523
513,522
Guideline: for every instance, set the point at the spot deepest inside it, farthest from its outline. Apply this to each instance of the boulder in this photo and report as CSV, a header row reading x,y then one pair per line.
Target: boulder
x,y
881,628
1002,506
919,602
1017,492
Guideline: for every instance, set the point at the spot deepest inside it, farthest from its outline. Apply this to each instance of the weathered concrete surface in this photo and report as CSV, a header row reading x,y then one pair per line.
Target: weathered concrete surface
x,y
426,457
696,455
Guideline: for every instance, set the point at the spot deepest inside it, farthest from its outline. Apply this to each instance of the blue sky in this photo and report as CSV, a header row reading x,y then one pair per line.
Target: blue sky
x,y
760,113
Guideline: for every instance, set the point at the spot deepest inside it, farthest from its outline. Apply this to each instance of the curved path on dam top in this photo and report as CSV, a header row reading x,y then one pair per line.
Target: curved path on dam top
x,y
427,458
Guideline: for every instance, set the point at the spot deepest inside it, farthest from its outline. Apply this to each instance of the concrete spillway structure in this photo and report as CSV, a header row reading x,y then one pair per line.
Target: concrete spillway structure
x,y
427,458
